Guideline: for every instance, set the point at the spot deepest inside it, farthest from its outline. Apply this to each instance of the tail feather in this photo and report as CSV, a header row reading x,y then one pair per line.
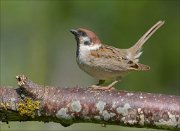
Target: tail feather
x,y
139,67
143,67
135,50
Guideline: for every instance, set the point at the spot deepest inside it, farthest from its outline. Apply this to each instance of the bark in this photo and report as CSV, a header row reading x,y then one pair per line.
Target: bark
x,y
33,102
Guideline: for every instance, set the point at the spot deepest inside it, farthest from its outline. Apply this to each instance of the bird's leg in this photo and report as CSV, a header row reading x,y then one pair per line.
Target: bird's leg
x,y
104,87
118,79
98,85
112,84
100,82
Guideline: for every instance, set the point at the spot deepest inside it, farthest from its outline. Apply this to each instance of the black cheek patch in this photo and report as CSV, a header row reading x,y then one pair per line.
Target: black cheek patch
x,y
87,42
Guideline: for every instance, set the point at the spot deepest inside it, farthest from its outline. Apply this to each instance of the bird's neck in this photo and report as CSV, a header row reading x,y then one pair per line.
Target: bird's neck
x,y
84,50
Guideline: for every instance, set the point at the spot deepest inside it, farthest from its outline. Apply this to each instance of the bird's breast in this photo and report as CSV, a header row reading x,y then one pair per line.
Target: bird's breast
x,y
95,67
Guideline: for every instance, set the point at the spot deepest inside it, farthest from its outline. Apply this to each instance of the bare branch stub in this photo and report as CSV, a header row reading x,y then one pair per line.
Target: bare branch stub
x,y
75,105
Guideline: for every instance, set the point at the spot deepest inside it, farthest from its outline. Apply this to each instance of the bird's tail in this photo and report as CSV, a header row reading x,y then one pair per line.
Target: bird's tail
x,y
136,49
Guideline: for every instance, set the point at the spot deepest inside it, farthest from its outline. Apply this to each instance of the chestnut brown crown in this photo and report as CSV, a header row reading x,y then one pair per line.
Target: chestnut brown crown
x,y
81,33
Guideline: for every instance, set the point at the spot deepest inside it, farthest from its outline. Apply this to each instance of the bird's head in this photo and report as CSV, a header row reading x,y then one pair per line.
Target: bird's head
x,y
86,38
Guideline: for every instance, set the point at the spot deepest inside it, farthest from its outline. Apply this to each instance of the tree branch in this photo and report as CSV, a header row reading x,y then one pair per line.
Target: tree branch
x,y
33,102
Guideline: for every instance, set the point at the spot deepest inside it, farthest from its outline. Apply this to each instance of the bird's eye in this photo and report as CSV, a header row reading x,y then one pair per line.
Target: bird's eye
x,y
87,42
83,34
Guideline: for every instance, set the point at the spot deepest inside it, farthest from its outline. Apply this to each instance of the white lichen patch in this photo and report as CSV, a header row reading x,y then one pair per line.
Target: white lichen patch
x,y
106,115
139,110
97,117
112,114
141,121
13,103
173,118
123,110
131,122
114,104
141,97
172,121
39,113
130,94
76,106
86,118
100,106
123,119
141,116
62,113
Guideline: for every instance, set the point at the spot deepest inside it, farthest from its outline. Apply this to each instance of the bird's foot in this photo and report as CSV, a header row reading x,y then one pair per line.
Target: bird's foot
x,y
109,87
113,83
102,87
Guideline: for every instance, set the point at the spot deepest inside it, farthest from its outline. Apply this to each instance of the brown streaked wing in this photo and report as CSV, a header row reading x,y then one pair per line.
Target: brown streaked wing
x,y
109,52
109,58
115,59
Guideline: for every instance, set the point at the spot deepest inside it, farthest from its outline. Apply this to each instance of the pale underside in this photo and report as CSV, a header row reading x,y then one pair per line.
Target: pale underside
x,y
106,62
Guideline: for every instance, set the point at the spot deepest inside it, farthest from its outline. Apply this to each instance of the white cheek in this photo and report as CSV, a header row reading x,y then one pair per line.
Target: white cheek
x,y
87,48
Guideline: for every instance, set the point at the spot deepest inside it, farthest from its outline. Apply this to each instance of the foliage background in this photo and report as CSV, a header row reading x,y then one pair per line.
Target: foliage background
x,y
35,40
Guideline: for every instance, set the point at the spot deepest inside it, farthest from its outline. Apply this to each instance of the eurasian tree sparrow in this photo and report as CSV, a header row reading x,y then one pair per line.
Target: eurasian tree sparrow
x,y
105,62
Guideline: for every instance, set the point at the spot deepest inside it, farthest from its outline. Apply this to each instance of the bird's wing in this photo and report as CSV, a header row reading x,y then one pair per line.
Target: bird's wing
x,y
115,59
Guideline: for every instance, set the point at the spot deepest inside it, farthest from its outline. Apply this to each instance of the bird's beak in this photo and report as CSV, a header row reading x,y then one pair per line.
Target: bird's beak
x,y
74,32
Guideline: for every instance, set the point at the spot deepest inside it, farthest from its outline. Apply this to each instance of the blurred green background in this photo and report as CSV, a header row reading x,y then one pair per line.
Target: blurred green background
x,y
35,41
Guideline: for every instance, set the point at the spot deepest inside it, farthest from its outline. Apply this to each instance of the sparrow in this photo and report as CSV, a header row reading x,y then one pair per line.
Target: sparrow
x,y
105,62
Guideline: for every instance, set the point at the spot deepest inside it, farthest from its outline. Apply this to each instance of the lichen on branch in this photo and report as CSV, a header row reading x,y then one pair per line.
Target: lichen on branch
x,y
28,107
